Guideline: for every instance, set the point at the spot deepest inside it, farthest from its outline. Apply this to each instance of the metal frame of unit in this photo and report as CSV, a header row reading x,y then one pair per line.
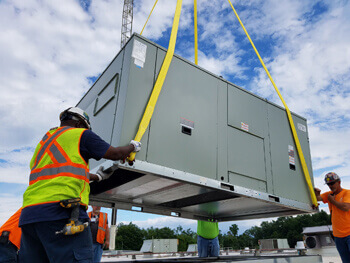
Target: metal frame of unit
x,y
215,167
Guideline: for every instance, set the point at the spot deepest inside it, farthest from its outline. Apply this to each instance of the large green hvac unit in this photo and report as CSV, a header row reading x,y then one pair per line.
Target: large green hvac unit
x,y
212,149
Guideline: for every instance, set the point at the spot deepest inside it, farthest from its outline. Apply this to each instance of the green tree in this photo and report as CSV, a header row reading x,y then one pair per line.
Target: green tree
x,y
129,237
159,233
185,238
233,230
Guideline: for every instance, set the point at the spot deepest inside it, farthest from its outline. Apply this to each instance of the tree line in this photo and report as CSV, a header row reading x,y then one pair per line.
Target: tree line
x,y
130,236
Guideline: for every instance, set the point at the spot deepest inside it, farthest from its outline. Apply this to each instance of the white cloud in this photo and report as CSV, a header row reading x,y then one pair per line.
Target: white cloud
x,y
312,68
8,206
162,17
16,168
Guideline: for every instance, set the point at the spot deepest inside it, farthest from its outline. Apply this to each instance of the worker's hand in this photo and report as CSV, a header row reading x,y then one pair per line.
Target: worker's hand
x,y
106,244
137,145
314,206
317,191
331,198
102,175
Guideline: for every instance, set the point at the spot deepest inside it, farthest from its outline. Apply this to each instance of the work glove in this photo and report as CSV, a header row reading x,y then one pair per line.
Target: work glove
x,y
137,145
103,175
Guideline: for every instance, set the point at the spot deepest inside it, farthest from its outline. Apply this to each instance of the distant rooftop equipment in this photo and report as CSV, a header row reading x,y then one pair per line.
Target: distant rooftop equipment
x,y
277,243
159,246
213,150
318,236
192,248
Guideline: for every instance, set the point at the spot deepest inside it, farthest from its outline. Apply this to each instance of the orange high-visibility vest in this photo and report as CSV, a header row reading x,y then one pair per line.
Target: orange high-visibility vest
x,y
58,171
102,227
11,225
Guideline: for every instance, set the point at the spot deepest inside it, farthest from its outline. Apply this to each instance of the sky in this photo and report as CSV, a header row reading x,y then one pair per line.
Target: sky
x,y
52,51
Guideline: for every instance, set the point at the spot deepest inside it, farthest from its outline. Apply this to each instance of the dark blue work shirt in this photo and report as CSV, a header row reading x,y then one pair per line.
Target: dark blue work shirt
x,y
91,147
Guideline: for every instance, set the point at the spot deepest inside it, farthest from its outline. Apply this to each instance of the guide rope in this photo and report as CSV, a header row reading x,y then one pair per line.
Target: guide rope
x,y
195,32
149,16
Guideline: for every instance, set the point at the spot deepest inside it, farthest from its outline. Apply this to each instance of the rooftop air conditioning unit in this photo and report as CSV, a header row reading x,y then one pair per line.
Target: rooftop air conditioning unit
x,y
313,242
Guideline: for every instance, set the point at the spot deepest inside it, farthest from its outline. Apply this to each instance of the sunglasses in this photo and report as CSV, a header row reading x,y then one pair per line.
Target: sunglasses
x,y
332,183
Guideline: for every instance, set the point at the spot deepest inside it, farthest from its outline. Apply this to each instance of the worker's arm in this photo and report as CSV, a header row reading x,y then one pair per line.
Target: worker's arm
x,y
93,177
342,206
107,237
121,153
118,153
318,194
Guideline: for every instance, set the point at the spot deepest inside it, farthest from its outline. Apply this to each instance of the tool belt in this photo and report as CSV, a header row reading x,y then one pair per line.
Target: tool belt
x,y
4,238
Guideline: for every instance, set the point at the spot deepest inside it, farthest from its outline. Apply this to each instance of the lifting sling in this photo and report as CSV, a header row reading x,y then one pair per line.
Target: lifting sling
x,y
160,79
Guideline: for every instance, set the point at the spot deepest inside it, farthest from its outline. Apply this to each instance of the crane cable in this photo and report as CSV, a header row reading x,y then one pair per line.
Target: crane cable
x,y
147,115
149,16
290,119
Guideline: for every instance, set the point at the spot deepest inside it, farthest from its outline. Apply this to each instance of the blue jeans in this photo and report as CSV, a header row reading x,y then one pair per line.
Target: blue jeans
x,y
8,253
98,250
40,244
208,247
343,247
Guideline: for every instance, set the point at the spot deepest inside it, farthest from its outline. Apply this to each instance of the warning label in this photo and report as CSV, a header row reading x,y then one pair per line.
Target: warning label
x,y
244,126
139,53
301,127
291,154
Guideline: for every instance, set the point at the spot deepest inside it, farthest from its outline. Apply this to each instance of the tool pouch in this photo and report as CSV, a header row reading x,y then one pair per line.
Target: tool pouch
x,y
4,238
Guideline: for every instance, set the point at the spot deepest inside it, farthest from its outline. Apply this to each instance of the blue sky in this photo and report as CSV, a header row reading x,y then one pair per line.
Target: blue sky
x,y
51,52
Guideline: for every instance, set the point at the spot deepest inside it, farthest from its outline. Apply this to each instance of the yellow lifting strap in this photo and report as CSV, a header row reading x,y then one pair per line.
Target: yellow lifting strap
x,y
290,119
195,32
149,16
160,79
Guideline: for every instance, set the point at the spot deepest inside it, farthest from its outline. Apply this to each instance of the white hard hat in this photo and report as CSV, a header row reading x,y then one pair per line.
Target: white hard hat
x,y
76,112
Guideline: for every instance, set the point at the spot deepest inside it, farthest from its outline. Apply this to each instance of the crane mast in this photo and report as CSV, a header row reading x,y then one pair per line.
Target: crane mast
x,y
127,21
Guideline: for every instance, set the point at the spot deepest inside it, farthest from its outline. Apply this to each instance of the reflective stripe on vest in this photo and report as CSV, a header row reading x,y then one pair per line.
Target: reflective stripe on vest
x,y
58,171
54,136
101,228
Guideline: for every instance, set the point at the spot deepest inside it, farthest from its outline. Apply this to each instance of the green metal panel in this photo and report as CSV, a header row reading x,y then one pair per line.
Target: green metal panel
x,y
246,160
247,140
222,174
137,88
245,108
287,182
101,101
188,97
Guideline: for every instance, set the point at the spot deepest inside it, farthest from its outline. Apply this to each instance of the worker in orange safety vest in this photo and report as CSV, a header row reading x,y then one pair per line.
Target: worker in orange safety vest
x,y
99,231
10,239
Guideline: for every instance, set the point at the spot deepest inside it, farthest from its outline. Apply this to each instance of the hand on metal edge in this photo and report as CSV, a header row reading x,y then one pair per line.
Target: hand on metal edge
x,y
314,206
137,145
103,175
130,162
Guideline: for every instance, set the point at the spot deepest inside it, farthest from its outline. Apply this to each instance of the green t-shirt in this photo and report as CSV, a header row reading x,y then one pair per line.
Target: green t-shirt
x,y
207,229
